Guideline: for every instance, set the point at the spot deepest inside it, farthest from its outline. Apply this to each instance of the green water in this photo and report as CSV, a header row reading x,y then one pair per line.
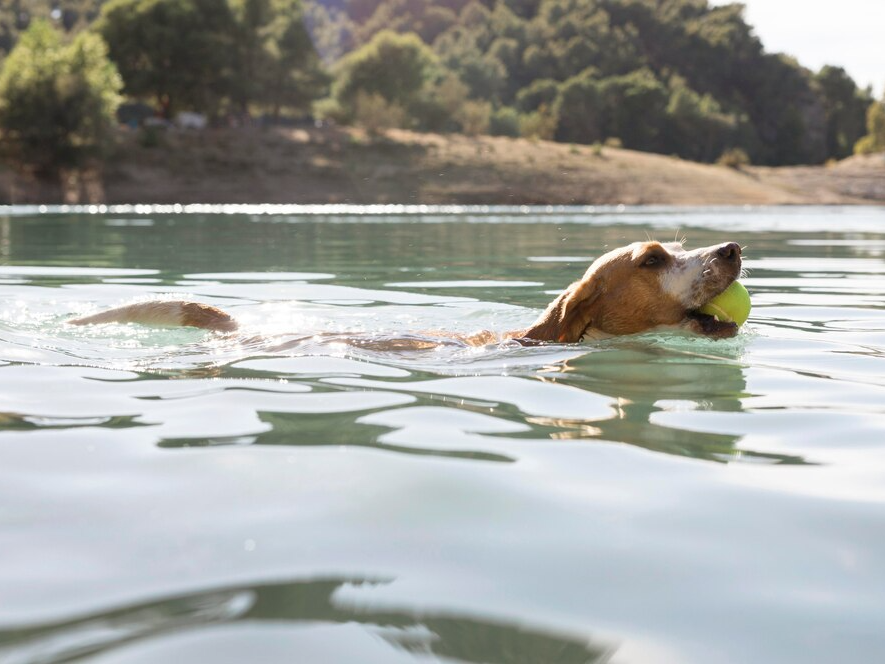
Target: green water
x,y
274,496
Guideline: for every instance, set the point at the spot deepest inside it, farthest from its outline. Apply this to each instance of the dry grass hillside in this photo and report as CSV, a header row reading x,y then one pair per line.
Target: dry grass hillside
x,y
336,165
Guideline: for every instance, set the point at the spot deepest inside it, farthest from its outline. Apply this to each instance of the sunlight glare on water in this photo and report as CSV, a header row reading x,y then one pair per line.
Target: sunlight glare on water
x,y
182,495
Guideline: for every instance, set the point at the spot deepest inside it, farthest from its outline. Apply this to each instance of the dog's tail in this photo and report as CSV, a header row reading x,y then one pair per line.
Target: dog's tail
x,y
165,313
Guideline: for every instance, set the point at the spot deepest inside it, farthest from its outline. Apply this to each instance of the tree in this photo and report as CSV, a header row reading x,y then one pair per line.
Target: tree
x,y
394,66
179,52
57,101
697,128
579,109
635,106
846,109
874,141
276,63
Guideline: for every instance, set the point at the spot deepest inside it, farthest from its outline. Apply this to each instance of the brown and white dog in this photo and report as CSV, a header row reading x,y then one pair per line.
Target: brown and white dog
x,y
640,287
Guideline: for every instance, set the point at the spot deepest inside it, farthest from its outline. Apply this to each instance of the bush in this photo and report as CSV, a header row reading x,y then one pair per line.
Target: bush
x,y
539,92
734,158
396,67
375,114
474,117
57,103
874,141
330,110
541,124
866,145
183,53
504,122
438,103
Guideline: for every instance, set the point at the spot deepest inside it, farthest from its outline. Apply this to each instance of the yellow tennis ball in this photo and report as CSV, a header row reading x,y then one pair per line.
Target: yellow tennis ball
x,y
731,305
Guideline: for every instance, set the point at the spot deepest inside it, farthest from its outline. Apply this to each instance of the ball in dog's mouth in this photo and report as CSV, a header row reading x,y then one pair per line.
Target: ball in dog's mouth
x,y
724,313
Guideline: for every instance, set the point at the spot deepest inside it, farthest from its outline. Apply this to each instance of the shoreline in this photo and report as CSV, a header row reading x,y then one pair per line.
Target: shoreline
x,y
333,165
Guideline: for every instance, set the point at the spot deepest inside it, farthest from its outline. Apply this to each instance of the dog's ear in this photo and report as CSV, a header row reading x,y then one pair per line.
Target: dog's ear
x,y
570,314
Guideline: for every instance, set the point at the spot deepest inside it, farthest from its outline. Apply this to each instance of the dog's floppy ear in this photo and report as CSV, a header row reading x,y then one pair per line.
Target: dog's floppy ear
x,y
570,314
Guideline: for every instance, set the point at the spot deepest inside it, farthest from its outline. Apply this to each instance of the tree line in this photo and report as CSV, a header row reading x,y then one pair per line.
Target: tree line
x,y
671,76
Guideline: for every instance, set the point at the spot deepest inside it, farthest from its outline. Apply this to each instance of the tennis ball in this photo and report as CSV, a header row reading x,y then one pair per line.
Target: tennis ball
x,y
731,305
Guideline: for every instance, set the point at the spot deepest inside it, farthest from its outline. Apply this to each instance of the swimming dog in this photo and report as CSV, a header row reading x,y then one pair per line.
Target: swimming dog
x,y
643,286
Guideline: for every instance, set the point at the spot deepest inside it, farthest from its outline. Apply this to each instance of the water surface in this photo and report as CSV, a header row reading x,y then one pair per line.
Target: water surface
x,y
277,496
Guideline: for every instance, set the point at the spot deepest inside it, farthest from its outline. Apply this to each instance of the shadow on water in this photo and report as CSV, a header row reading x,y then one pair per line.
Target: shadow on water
x,y
304,604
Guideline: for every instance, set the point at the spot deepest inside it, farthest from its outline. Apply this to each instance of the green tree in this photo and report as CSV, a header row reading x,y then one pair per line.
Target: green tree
x,y
731,93
178,52
635,105
874,141
697,128
276,63
538,92
394,66
57,101
579,109
846,109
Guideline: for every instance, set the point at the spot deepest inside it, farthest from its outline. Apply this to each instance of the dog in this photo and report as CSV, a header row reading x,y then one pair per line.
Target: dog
x,y
641,287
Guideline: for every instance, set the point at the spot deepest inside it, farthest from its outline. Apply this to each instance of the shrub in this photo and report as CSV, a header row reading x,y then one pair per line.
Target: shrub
x,y
541,124
874,141
474,117
504,122
394,66
438,103
734,158
375,114
57,102
330,110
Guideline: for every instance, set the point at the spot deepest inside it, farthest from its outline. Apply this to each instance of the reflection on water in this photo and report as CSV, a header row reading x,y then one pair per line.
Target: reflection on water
x,y
653,498
308,606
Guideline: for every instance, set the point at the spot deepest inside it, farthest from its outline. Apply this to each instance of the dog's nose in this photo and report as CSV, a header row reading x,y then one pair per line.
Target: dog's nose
x,y
730,251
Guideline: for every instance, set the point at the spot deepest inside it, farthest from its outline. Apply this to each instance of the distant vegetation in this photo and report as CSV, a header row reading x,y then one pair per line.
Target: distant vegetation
x,y
669,76
57,101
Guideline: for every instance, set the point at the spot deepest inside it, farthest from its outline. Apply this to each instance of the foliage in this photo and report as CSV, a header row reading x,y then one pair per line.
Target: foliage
x,y
674,76
874,141
693,78
213,56
504,122
540,124
542,91
376,114
178,52
68,15
734,158
846,109
474,117
57,101
579,107
438,104
276,64
396,67
697,127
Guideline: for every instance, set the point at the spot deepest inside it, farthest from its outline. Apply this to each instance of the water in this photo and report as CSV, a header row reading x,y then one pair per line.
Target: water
x,y
275,496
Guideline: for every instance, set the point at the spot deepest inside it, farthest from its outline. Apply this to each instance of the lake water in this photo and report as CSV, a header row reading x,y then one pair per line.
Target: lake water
x,y
181,496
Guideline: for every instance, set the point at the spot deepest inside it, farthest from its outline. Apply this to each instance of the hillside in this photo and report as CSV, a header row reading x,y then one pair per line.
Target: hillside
x,y
336,165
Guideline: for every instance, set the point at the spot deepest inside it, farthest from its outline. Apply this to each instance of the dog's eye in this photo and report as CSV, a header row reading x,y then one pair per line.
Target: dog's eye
x,y
651,261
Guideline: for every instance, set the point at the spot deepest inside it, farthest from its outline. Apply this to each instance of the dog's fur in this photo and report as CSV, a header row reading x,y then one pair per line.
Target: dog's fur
x,y
640,287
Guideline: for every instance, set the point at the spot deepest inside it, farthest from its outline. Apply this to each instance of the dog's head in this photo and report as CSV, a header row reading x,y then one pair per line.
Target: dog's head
x,y
641,287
